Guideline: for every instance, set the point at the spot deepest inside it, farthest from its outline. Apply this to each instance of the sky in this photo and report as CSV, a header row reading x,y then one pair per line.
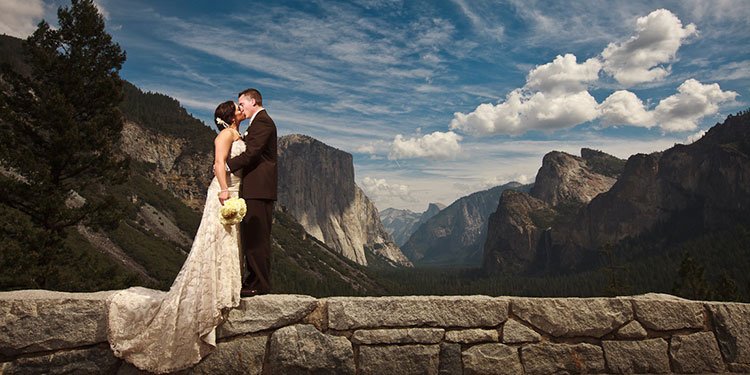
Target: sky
x,y
439,99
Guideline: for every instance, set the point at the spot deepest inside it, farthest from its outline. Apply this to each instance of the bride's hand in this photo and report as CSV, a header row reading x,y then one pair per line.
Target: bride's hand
x,y
224,195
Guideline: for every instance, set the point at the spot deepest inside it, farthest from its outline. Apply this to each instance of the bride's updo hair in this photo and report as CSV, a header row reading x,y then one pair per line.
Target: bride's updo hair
x,y
225,113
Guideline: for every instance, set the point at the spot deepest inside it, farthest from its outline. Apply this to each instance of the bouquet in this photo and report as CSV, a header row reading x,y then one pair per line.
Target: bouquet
x,y
233,211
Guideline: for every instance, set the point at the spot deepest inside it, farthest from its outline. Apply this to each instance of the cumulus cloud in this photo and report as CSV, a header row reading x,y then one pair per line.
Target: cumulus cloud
x,y
554,97
692,102
679,112
563,75
438,145
20,17
637,60
379,189
624,108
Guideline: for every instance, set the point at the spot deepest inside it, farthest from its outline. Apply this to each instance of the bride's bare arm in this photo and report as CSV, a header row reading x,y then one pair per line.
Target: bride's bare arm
x,y
222,144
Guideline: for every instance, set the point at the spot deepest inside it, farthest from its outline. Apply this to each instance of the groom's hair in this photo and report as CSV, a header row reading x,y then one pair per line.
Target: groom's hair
x,y
253,93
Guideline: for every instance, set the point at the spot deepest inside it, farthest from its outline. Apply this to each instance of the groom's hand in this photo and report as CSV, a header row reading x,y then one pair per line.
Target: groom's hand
x,y
224,195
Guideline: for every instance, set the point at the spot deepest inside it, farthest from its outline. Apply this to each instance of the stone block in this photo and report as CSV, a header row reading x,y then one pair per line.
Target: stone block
x,y
517,333
548,358
496,358
94,360
571,317
264,312
731,325
42,320
472,336
627,357
664,315
345,313
695,354
398,336
632,330
302,349
399,359
241,356
450,359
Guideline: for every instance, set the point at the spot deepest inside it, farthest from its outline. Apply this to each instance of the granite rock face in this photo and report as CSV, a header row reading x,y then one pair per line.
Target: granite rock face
x,y
548,358
705,185
568,317
176,167
459,311
316,186
401,224
640,357
399,359
568,178
302,349
492,359
457,233
65,320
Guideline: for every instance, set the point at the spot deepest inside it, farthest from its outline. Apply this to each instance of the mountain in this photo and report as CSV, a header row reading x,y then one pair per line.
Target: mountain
x,y
456,234
658,200
401,224
171,154
316,186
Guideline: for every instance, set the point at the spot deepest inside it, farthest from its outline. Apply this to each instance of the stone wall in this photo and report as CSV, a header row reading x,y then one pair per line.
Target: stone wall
x,y
44,332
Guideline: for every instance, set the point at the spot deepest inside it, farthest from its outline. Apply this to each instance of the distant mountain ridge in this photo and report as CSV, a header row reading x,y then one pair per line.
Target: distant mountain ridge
x,y
700,187
316,186
456,234
401,224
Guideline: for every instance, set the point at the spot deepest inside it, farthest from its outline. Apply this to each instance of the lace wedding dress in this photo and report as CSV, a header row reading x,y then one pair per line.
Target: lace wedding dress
x,y
161,331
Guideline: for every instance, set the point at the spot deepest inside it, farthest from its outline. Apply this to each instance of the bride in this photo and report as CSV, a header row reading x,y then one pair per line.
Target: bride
x,y
161,331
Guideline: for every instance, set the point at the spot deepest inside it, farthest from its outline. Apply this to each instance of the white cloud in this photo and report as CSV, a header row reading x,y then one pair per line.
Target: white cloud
x,y
522,112
19,17
438,145
692,102
563,75
637,60
554,97
380,189
624,108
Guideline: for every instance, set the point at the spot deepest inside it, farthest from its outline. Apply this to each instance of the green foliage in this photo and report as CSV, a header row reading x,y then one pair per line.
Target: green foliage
x,y
185,218
60,129
165,115
300,264
161,259
691,282
602,163
615,286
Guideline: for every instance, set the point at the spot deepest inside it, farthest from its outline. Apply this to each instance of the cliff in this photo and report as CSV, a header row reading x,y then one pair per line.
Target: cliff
x,y
169,162
696,188
401,224
456,234
46,332
316,186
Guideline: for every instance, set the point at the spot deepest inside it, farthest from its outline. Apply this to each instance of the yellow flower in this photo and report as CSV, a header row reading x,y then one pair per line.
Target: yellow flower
x,y
233,210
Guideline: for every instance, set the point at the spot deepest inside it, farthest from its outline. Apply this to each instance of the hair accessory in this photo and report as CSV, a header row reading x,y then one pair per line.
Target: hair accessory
x,y
221,122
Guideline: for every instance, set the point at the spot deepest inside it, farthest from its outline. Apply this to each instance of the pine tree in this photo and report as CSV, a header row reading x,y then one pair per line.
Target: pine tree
x,y
60,127
691,281
726,289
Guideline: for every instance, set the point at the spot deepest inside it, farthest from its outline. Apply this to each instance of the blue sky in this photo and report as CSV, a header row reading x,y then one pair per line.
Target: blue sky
x,y
439,99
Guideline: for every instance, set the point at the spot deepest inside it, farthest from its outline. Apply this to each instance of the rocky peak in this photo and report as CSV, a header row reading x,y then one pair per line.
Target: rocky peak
x,y
432,210
568,178
316,186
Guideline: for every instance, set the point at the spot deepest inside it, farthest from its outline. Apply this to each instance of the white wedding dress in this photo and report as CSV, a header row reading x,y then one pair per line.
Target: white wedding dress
x,y
161,331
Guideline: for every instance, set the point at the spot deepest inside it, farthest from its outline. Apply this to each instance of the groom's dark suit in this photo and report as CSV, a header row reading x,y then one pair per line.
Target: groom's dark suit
x,y
259,184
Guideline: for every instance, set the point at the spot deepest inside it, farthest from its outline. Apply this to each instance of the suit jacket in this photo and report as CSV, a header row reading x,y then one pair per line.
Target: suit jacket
x,y
259,162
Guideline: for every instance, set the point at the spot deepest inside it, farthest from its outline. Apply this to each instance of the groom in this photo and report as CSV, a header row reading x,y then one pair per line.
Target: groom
x,y
259,182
